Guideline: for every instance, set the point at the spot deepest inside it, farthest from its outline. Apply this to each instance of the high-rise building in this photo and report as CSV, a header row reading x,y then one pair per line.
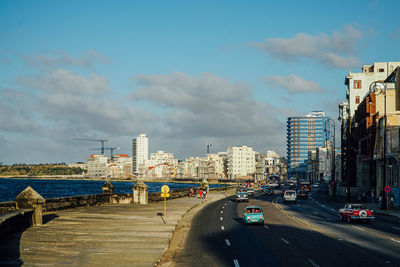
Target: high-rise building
x,y
305,133
97,166
140,153
241,162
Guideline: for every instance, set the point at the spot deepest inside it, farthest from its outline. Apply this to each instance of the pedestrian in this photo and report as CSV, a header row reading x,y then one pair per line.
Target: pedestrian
x,y
380,200
391,201
201,193
373,196
204,194
191,192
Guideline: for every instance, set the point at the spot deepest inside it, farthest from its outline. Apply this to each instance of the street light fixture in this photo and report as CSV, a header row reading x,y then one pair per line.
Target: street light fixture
x,y
378,88
333,170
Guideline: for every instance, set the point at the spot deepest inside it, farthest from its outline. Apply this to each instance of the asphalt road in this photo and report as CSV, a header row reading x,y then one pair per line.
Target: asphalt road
x,y
308,233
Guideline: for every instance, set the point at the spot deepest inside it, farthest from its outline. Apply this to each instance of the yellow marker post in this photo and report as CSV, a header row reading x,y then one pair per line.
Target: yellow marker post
x,y
165,190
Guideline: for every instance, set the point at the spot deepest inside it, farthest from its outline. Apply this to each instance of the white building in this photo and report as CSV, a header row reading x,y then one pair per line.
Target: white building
x,y
241,162
359,83
122,166
140,153
97,166
161,165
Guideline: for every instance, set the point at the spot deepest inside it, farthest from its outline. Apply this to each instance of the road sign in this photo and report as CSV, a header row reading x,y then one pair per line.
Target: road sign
x,y
388,189
164,195
165,189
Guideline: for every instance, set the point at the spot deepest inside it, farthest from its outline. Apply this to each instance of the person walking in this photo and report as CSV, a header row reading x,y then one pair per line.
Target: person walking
x,y
205,193
391,201
201,193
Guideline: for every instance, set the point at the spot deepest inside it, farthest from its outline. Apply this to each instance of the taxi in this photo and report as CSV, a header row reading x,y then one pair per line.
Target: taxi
x,y
253,215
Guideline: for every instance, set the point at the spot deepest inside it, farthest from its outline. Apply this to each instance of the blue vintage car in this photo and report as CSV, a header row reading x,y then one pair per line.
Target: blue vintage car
x,y
253,214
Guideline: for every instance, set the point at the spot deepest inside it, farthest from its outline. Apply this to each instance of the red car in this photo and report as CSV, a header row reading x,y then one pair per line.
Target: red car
x,y
353,212
302,194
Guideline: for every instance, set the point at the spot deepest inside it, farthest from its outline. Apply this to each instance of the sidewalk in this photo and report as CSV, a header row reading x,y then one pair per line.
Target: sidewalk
x,y
108,235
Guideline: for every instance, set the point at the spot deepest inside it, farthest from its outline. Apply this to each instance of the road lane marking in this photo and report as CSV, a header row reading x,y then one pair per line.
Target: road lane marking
x,y
322,205
299,205
316,213
227,242
222,211
221,218
396,227
313,263
284,240
333,210
222,228
223,207
395,240
266,226
235,261
316,202
358,228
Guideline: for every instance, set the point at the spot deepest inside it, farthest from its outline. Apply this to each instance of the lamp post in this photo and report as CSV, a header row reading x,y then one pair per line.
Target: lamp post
x,y
333,170
378,88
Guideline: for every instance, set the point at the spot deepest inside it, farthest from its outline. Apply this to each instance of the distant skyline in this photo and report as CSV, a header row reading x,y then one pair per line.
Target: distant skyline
x,y
187,74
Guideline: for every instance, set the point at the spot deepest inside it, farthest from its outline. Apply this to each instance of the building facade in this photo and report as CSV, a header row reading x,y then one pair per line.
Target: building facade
x,y
241,162
140,153
305,133
97,166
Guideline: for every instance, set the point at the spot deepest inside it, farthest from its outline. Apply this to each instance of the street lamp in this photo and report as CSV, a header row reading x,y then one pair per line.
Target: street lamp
x,y
378,88
333,170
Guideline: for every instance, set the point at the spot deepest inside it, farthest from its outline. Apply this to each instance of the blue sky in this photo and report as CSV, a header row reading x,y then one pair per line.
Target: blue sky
x,y
186,73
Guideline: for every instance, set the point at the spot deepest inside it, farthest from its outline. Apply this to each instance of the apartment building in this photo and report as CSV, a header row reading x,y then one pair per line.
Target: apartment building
x,y
305,133
140,153
97,166
241,162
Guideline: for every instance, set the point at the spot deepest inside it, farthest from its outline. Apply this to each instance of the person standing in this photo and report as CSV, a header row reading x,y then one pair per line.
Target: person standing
x,y
201,193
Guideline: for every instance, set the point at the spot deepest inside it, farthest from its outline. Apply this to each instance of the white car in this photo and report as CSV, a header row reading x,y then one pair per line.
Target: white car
x,y
290,196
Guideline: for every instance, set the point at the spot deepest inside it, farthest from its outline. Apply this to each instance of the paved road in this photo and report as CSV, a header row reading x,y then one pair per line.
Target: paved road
x,y
305,234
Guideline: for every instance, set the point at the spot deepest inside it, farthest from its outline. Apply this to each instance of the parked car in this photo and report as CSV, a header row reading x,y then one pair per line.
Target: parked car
x,y
253,214
302,194
242,196
290,196
356,212
269,190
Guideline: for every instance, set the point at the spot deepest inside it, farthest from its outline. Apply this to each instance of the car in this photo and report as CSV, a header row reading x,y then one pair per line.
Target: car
x,y
242,196
269,190
253,214
250,191
290,196
302,194
356,212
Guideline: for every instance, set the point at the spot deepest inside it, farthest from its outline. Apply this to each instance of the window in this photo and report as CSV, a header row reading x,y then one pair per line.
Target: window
x,y
357,84
381,70
357,100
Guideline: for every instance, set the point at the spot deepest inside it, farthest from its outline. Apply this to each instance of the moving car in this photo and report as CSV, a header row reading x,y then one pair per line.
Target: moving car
x,y
250,191
269,190
242,196
290,196
302,194
253,214
354,211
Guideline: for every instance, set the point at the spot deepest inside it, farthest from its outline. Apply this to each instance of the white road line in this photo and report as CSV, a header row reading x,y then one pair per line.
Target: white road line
x,y
316,213
322,205
299,205
316,202
333,210
266,226
395,240
222,228
235,261
358,228
340,239
313,263
221,218
223,207
284,240
222,211
227,242
397,228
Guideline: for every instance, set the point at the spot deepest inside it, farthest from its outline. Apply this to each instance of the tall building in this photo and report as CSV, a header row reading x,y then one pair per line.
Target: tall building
x,y
241,162
305,133
97,166
140,153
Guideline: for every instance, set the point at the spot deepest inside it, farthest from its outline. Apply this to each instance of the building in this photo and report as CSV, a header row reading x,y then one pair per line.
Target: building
x,y
305,133
241,162
358,83
97,166
161,165
123,166
140,153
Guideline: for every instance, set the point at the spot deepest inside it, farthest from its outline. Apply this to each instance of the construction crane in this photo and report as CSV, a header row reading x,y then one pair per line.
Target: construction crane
x,y
95,140
108,148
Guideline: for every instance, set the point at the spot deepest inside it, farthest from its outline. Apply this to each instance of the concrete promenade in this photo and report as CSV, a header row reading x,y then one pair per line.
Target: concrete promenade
x,y
108,235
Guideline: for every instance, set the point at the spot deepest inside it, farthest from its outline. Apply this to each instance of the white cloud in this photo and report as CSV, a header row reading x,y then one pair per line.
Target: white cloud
x,y
336,50
57,59
293,83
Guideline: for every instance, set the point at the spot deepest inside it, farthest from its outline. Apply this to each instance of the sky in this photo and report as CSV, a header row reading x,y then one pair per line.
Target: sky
x,y
186,73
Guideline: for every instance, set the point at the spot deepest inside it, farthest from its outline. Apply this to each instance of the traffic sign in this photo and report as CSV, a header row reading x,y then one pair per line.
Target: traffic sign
x,y
164,195
388,189
165,189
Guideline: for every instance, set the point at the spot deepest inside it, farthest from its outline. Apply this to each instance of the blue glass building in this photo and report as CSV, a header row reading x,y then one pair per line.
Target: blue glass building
x,y
304,133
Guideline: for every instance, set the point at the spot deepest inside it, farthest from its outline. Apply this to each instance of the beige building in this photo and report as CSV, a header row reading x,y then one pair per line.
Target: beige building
x,y
97,166
241,162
